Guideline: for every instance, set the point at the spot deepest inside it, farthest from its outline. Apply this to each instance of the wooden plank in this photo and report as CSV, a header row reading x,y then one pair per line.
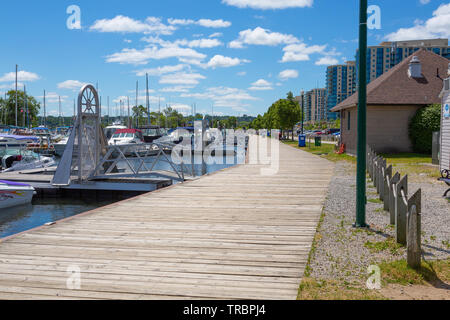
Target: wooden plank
x,y
235,234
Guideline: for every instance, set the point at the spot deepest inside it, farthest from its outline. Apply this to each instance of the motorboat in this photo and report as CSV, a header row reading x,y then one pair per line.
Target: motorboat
x,y
60,145
151,133
17,160
110,130
14,141
14,194
127,136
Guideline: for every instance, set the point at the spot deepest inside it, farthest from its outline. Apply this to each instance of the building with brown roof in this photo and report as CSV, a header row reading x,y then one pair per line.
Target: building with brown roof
x,y
392,100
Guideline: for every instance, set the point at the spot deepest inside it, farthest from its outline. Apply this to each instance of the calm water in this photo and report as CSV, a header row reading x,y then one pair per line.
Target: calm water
x,y
18,219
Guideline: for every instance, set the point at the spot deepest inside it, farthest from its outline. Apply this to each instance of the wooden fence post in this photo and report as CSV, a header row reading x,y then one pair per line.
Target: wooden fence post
x,y
392,197
413,249
375,171
381,179
386,187
401,210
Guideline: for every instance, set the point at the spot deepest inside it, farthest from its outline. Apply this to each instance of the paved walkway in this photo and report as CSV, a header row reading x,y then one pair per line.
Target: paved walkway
x,y
232,235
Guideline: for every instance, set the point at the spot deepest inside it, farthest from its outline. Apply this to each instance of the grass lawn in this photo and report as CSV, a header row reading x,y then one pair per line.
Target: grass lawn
x,y
413,164
325,151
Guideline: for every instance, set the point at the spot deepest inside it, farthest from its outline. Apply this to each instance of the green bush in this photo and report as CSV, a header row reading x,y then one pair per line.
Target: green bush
x,y
426,121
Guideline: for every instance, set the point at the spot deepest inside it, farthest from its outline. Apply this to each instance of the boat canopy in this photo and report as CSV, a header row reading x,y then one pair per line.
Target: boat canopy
x,y
118,131
19,138
12,183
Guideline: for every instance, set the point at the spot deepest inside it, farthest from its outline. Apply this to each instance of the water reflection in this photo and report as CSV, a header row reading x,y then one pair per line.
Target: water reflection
x,y
18,219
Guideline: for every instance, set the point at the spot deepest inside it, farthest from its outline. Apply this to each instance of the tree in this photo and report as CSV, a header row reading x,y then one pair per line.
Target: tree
x,y
426,121
10,104
140,115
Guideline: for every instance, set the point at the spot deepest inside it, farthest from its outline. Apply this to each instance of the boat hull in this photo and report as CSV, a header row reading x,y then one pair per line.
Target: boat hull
x,y
10,197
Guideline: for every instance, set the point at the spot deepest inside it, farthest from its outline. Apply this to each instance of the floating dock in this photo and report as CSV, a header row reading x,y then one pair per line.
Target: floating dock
x,y
234,234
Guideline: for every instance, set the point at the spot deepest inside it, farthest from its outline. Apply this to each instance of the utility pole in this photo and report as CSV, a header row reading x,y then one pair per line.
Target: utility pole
x,y
362,120
302,95
16,92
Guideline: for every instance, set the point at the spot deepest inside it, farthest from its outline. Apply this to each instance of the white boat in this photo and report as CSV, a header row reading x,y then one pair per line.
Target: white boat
x,y
110,130
14,194
14,160
14,141
60,146
126,136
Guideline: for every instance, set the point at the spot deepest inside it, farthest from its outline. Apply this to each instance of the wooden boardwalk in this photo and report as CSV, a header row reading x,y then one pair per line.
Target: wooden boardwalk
x,y
235,234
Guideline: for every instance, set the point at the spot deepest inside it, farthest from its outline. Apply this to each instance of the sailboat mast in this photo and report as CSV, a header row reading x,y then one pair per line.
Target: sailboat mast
x,y
129,120
45,112
147,100
24,109
16,92
137,110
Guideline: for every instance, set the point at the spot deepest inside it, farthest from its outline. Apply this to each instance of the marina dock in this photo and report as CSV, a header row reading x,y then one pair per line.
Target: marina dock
x,y
234,234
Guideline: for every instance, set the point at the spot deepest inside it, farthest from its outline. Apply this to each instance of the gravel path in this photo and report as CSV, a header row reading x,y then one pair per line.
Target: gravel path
x,y
344,253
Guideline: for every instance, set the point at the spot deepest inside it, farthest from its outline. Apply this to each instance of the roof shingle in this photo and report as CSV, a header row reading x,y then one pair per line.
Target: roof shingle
x,y
396,87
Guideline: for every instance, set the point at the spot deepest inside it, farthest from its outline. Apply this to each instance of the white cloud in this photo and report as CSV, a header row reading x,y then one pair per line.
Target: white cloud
x,y
261,85
288,74
326,61
127,40
71,85
53,97
260,36
160,70
182,108
198,43
224,97
12,86
21,76
216,35
181,78
269,4
177,89
425,1
141,100
214,23
207,23
436,27
219,61
242,73
300,52
136,57
204,43
125,24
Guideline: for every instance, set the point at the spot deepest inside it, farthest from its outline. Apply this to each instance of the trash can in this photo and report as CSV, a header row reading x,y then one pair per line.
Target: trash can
x,y
318,141
302,140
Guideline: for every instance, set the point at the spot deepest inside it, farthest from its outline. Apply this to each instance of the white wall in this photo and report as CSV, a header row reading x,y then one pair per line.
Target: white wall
x,y
445,134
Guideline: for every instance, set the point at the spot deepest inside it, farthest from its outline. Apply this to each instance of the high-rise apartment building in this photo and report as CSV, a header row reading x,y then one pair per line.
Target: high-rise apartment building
x,y
313,103
387,55
341,84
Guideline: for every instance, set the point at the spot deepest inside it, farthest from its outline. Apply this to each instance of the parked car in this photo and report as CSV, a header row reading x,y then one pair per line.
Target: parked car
x,y
331,131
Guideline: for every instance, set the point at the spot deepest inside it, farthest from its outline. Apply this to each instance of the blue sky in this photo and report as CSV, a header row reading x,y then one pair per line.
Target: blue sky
x,y
238,55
